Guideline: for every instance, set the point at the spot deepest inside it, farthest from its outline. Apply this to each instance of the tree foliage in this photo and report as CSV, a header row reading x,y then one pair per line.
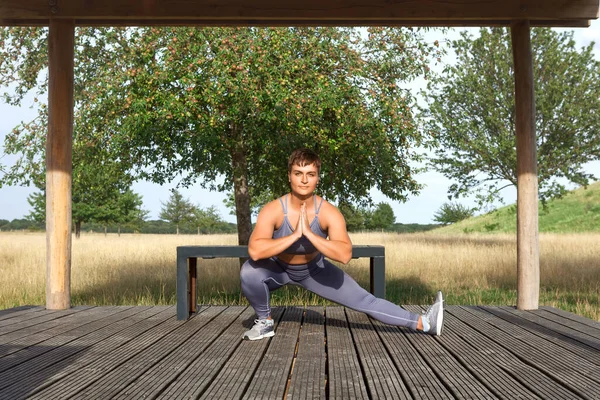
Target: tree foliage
x,y
101,178
381,217
184,214
123,209
178,210
208,220
471,113
452,212
198,103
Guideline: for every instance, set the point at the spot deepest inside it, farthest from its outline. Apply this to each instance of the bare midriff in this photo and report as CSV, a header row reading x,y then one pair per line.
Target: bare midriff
x,y
297,259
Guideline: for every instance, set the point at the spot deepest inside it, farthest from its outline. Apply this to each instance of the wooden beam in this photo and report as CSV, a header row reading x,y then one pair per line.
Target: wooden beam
x,y
571,23
61,46
528,258
276,11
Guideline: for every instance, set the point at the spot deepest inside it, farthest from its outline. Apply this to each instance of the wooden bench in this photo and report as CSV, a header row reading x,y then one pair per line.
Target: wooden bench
x,y
187,269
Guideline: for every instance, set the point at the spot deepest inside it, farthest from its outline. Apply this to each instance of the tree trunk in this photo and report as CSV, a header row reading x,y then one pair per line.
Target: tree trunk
x,y
119,230
77,229
178,229
240,190
105,231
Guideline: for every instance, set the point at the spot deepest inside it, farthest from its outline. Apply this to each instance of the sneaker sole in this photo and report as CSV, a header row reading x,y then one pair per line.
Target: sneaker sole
x,y
440,320
266,335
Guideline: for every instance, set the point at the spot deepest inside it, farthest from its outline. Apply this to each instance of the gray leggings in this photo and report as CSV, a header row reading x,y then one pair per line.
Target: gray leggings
x,y
321,277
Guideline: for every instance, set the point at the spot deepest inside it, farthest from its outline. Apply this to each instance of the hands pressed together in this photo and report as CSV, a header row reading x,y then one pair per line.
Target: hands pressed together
x,y
303,226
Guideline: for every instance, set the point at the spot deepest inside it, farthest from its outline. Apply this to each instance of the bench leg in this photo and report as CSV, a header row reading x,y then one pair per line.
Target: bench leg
x,y
377,272
183,310
193,293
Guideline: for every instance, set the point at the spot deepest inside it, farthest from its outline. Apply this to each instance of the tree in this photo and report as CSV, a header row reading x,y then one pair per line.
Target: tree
x,y
354,216
257,201
177,210
208,220
207,102
131,213
121,208
471,113
100,174
452,212
381,218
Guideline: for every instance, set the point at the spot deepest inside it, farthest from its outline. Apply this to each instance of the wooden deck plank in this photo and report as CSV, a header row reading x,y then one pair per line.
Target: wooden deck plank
x,y
576,326
99,377
80,353
39,317
345,378
144,353
112,356
22,351
539,358
197,375
420,379
517,329
383,379
308,372
29,336
571,316
48,353
159,354
455,376
527,321
236,374
9,313
506,375
556,327
271,376
160,374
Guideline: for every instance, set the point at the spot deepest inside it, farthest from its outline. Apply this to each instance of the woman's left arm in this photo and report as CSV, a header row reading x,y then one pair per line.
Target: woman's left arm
x,y
339,246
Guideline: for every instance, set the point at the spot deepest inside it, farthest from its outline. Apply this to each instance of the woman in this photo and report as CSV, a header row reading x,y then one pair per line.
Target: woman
x,y
290,241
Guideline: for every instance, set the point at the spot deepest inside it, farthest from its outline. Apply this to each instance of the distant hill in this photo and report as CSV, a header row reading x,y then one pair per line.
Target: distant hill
x,y
578,211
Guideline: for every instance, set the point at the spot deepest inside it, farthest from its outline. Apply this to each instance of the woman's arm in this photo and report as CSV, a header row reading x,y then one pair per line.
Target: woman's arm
x,y
261,244
339,246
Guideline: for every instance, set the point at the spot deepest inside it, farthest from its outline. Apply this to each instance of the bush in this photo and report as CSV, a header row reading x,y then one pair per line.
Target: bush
x,y
450,213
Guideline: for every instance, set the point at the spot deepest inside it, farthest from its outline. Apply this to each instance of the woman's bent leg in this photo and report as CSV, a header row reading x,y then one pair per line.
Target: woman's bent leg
x,y
258,279
334,284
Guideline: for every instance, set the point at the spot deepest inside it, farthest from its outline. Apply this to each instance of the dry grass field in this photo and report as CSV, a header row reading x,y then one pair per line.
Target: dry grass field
x,y
470,269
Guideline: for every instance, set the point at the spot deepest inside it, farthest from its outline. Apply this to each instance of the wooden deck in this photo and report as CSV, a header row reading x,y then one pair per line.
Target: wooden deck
x,y
336,353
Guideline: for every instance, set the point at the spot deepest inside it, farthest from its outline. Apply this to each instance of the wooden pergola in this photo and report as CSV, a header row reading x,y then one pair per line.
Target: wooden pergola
x,y
62,16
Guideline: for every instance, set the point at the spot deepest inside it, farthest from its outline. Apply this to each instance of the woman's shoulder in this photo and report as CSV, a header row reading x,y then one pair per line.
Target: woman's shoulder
x,y
324,206
274,206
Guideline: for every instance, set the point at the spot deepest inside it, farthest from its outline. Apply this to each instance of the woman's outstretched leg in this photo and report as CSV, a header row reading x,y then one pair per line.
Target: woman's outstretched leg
x,y
332,283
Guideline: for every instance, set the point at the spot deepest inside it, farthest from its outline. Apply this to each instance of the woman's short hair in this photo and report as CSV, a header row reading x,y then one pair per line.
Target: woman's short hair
x,y
304,157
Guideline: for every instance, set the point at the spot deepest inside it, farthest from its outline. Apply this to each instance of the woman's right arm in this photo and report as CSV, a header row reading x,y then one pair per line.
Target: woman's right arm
x,y
261,244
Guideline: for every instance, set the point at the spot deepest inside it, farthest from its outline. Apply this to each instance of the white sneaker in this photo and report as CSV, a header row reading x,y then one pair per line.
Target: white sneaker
x,y
435,315
263,328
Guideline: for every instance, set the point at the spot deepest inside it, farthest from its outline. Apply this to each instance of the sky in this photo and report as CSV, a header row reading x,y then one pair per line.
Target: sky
x,y
418,209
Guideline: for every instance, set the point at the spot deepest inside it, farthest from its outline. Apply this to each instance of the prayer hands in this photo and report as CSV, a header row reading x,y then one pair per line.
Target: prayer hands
x,y
303,223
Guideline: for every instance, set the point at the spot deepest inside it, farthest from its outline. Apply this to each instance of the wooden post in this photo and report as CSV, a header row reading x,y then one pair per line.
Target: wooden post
x,y
61,42
528,258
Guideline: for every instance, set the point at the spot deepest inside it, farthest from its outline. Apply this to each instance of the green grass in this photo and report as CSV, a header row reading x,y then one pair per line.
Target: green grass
x,y
578,211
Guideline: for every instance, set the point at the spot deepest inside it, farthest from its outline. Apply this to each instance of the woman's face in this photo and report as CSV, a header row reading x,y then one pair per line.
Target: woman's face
x,y
303,180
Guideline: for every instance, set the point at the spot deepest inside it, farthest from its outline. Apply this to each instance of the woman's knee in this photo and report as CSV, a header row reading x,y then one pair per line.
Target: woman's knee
x,y
248,273
253,272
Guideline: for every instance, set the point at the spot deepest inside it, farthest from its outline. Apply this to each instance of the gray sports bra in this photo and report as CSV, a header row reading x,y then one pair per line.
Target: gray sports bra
x,y
302,245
